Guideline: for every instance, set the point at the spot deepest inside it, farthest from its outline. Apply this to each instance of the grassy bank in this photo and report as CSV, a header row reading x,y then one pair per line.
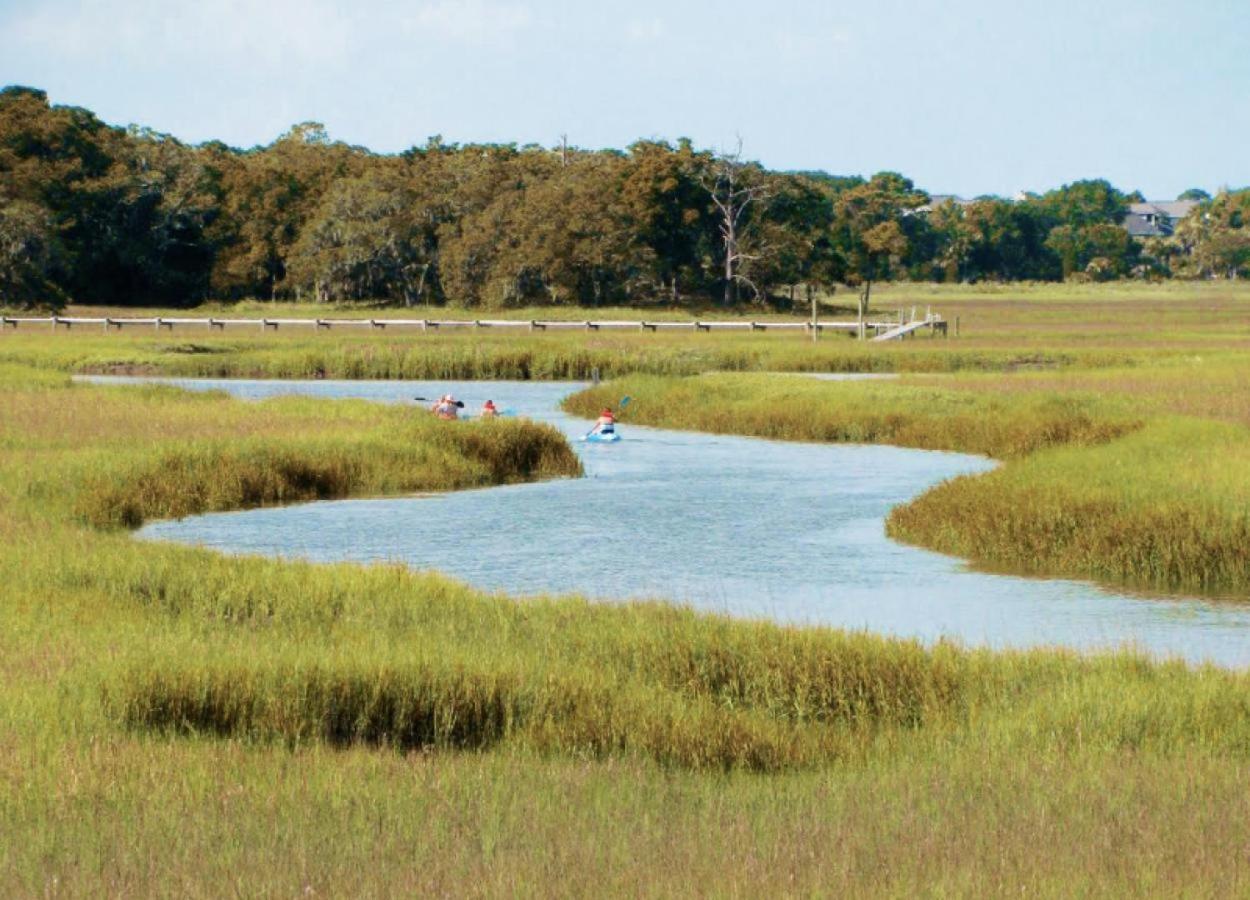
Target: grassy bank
x,y
793,408
1164,508
555,356
172,720
1007,328
1110,484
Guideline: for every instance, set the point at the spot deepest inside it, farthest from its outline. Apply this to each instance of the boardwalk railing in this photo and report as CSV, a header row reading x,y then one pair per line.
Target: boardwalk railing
x,y
881,329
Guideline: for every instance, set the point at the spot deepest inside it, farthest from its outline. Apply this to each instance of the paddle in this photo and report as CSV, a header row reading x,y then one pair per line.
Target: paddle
x,y
459,403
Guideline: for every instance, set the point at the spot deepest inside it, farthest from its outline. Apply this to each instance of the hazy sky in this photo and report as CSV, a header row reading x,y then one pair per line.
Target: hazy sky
x,y
964,96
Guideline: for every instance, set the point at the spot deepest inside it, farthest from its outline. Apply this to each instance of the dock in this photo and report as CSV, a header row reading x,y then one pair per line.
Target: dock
x,y
879,329
906,329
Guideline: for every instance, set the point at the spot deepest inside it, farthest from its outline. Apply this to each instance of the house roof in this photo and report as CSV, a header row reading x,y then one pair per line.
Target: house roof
x,y
1172,209
1156,219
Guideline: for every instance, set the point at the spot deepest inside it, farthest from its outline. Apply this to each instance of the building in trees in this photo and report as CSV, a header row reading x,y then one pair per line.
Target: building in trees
x,y
1156,218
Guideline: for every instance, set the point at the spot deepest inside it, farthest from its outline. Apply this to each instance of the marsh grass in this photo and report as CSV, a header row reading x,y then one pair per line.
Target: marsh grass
x,y
224,475
928,417
555,356
1165,508
1208,386
115,457
176,721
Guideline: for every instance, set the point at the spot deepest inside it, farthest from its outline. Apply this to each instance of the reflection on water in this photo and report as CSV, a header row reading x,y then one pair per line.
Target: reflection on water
x,y
790,532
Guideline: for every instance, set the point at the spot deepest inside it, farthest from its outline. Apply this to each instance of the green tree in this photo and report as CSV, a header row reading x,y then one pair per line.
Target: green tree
x,y
1084,203
873,226
669,212
269,194
366,240
30,254
793,244
1210,242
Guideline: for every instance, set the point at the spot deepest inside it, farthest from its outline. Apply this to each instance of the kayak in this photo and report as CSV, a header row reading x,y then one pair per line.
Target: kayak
x,y
596,437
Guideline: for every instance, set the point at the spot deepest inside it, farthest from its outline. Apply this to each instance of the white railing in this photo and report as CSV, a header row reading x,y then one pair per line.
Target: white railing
x,y
109,323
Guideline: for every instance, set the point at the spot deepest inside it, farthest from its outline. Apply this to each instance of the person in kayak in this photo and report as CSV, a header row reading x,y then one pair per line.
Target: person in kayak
x,y
606,423
488,410
447,407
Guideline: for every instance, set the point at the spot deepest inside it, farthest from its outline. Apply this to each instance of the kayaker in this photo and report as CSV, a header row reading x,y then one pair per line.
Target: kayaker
x,y
447,407
606,423
488,410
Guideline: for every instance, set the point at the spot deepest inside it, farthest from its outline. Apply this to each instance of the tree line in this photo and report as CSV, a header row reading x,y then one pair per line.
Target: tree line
x,y
93,213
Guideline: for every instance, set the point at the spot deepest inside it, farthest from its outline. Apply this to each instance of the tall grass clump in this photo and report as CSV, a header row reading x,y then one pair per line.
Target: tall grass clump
x,y
224,475
456,703
434,704
115,457
1167,507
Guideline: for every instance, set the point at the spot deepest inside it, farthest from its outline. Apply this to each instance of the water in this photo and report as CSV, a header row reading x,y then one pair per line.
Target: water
x,y
788,532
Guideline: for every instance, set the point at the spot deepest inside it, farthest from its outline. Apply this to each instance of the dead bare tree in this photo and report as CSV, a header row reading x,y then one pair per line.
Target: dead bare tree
x,y
734,186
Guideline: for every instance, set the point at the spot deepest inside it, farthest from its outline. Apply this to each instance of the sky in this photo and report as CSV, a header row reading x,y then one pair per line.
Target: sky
x,y
963,96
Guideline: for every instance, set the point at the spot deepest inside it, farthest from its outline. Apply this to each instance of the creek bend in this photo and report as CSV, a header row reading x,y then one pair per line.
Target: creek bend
x,y
755,528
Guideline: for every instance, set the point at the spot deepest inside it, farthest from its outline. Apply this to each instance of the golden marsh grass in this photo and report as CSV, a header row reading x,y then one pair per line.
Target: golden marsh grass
x,y
174,721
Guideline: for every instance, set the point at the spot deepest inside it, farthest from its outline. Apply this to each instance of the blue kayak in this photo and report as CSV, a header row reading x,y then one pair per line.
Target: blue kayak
x,y
596,437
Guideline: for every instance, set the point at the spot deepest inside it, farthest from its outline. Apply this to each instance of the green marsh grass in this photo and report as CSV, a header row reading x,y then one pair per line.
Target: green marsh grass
x,y
175,721
500,356
1166,508
1003,328
927,416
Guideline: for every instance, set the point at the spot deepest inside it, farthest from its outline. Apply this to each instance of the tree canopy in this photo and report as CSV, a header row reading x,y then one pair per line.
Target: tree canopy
x,y
100,214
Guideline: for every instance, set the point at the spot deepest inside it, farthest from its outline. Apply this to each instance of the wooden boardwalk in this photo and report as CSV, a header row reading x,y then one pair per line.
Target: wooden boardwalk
x,y
898,332
880,329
